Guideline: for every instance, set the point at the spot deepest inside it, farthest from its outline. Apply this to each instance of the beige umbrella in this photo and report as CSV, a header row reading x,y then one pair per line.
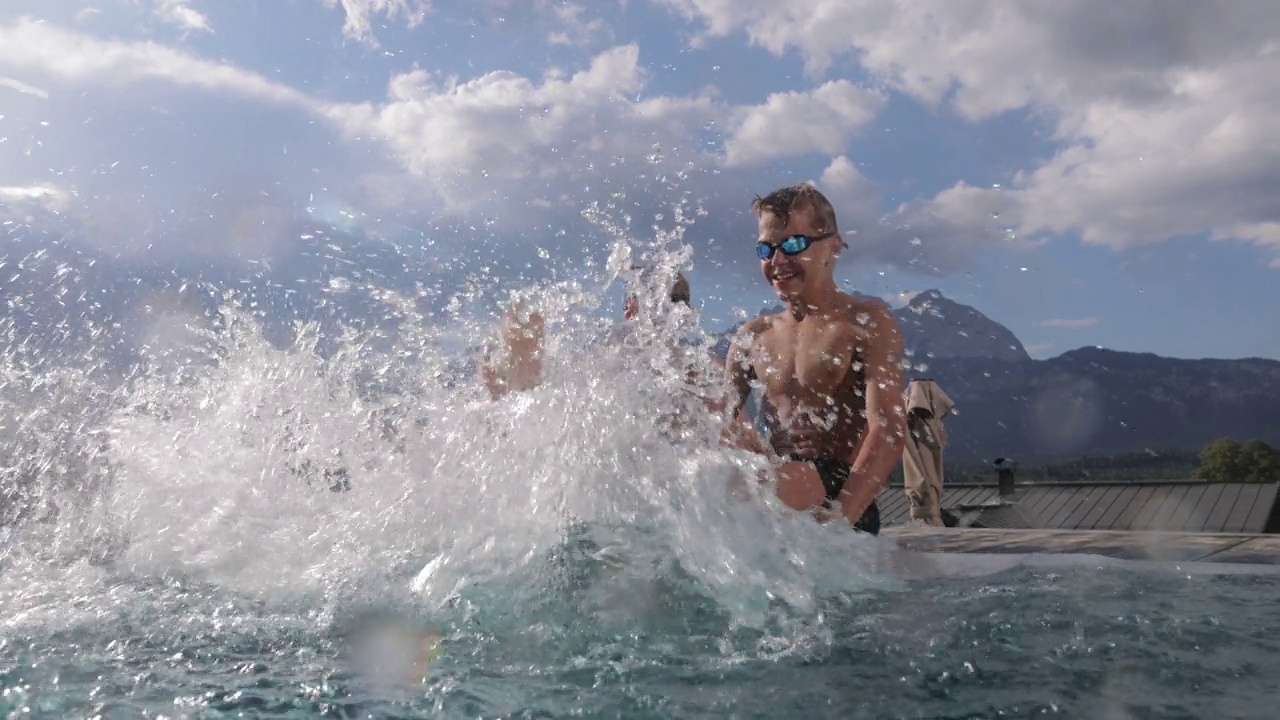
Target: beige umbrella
x,y
927,404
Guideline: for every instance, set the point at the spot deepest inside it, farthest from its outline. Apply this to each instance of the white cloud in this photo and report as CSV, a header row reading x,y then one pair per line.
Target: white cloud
x,y
181,14
21,203
900,299
855,196
1265,234
37,47
1069,323
149,149
565,22
1164,109
934,236
500,137
572,26
498,152
360,15
149,140
822,120
32,192
506,131
1202,159
22,87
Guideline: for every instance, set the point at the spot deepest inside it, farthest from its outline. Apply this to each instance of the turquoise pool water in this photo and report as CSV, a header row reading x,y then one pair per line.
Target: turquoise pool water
x,y
171,545
589,631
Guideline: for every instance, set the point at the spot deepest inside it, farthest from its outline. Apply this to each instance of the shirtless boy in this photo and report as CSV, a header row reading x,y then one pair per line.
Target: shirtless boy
x,y
828,365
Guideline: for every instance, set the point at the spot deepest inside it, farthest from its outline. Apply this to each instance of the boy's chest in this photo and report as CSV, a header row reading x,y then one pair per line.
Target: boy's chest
x,y
815,359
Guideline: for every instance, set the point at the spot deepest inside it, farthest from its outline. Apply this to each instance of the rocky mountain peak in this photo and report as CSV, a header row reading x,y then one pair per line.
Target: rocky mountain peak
x,y
934,325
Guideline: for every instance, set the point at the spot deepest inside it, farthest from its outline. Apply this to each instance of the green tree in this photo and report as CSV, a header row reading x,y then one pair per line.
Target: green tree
x,y
1220,461
1225,460
1259,462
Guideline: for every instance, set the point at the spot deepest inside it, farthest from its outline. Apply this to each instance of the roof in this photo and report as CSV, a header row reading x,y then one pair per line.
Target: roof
x,y
1008,516
1183,506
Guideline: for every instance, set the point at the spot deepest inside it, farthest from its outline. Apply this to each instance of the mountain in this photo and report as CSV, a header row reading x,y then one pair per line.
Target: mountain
x,y
1085,402
1096,402
934,326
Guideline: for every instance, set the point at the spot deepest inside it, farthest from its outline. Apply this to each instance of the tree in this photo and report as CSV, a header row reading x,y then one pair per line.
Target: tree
x,y
1259,462
1225,460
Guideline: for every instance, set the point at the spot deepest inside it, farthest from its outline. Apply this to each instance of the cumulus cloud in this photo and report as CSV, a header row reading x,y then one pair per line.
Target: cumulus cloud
x,y
22,87
790,124
934,236
149,146
1264,233
360,14
180,14
143,146
565,22
32,46
1163,109
853,193
500,152
1069,323
572,24
900,299
503,136
50,195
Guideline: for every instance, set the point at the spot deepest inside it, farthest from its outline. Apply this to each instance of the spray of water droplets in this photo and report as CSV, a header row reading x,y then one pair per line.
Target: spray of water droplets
x,y
204,441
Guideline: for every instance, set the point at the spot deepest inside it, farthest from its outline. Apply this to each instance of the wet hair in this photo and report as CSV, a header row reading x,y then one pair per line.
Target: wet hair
x,y
782,202
680,292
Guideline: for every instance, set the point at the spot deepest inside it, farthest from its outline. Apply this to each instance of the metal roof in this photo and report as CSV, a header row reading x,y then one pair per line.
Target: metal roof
x,y
1185,506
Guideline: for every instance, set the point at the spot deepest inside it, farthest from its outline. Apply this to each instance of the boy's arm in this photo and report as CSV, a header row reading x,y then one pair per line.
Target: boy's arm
x,y
522,369
737,368
880,449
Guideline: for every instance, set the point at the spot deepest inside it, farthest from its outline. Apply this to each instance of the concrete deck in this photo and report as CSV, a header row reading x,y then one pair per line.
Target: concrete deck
x,y
1165,546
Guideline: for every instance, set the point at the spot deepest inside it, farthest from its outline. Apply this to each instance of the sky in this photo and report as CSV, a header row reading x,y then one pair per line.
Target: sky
x,y
1087,173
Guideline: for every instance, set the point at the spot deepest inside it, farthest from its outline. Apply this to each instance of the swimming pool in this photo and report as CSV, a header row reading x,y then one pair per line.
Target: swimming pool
x,y
587,631
177,551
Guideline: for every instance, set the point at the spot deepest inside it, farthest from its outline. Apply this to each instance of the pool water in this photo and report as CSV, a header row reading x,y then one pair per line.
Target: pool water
x,y
173,544
586,633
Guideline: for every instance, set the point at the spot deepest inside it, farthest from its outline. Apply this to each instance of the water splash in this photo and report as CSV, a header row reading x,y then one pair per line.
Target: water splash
x,y
328,461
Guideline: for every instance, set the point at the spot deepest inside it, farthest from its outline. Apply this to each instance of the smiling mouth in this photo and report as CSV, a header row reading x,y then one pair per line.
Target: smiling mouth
x,y
785,275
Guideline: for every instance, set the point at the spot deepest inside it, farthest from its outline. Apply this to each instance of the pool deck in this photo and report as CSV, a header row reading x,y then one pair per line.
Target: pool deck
x,y
1128,545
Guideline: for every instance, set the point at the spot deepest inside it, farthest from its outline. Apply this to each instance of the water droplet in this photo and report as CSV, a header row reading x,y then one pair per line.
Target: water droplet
x,y
916,241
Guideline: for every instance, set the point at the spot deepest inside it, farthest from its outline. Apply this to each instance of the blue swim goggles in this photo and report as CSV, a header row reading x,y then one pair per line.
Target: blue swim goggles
x,y
792,245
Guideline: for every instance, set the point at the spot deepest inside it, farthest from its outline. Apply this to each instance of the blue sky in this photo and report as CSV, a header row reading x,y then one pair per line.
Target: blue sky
x,y
1086,173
